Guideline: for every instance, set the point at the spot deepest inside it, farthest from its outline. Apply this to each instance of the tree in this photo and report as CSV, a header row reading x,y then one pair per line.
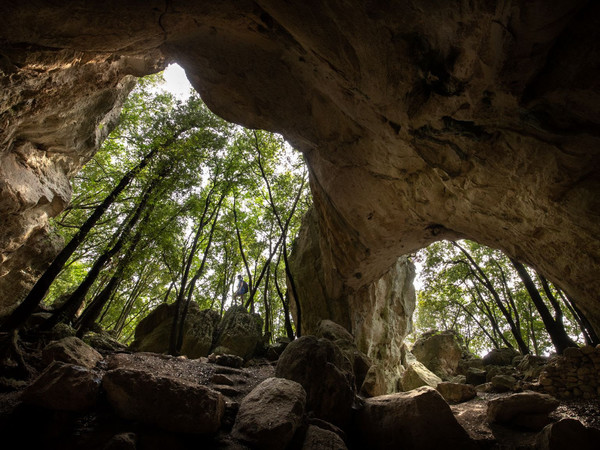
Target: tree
x,y
229,197
479,293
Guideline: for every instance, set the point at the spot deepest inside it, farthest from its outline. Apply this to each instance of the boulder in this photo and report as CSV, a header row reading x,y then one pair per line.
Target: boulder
x,y
417,375
122,441
526,409
64,387
328,329
567,434
440,352
239,333
317,438
531,366
491,371
361,363
500,357
153,332
468,362
71,350
103,342
418,419
226,360
475,376
270,415
455,392
504,383
169,403
326,375
376,382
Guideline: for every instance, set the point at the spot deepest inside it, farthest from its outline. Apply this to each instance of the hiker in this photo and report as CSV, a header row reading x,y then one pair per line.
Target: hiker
x,y
241,289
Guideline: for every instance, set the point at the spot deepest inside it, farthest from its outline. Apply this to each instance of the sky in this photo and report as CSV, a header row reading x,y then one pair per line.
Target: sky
x,y
176,81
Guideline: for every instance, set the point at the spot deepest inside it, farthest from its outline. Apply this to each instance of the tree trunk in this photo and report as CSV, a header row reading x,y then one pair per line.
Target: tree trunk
x,y
198,274
69,308
40,288
555,329
93,310
481,276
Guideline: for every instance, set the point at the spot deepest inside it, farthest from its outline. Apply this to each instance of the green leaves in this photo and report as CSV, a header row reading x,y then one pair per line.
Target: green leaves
x,y
475,291
200,158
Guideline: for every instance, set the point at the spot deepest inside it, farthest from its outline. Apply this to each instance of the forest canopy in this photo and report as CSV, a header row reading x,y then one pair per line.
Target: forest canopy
x,y
493,301
188,201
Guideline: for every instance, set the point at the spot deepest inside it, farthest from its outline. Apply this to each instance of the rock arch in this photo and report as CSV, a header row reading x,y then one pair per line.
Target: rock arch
x,y
419,121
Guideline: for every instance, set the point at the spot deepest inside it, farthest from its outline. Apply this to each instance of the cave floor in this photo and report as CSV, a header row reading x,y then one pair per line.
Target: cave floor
x,y
471,414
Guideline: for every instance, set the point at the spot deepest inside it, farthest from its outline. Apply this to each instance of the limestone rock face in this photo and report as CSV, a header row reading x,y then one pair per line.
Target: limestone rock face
x,y
59,106
419,122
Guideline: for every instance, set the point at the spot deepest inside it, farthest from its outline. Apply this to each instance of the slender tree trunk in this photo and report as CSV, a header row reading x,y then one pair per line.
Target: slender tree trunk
x,y
480,274
93,310
534,341
586,327
266,303
479,324
284,232
133,296
187,264
40,288
557,332
242,254
486,310
68,309
285,302
197,275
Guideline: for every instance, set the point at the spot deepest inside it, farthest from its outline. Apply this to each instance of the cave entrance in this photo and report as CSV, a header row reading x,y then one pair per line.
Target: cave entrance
x,y
492,301
176,206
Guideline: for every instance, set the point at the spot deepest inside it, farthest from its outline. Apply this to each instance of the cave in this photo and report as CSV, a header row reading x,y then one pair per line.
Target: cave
x,y
419,121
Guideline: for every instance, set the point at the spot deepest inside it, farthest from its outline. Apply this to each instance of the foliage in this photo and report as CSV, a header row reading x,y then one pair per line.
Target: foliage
x,y
455,296
207,184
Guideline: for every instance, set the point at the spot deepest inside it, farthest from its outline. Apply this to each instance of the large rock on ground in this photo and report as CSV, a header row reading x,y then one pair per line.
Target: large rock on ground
x,y
417,375
500,357
153,332
239,333
567,434
525,409
345,341
456,392
419,420
270,415
71,350
326,375
166,402
440,352
64,387
319,439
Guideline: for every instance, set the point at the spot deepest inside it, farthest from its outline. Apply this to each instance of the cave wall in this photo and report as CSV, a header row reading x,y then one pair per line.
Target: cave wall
x,y
420,120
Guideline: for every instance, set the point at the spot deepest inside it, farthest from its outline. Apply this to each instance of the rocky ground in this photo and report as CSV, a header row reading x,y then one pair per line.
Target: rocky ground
x,y
80,430
472,416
